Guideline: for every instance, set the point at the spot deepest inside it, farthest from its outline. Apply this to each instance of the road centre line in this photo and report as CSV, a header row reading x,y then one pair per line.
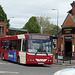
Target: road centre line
x,y
9,72
4,63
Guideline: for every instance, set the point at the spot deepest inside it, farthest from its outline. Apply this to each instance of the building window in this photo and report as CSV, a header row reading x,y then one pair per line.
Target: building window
x,y
1,29
54,43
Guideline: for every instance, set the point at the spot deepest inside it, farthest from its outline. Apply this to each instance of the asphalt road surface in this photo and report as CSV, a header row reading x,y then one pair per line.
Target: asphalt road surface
x,y
10,68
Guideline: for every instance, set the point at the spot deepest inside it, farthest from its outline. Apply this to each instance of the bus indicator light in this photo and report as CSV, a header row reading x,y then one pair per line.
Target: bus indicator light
x,y
27,59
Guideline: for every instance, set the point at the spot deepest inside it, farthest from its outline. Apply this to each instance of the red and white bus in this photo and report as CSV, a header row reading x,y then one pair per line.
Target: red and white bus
x,y
27,49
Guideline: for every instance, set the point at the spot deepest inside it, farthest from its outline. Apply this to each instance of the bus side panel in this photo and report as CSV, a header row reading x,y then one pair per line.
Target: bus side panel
x,y
22,57
9,55
13,55
1,49
5,53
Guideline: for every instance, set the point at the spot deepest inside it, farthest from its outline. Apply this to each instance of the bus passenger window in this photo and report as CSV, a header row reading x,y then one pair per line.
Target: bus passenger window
x,y
5,44
24,45
14,44
10,46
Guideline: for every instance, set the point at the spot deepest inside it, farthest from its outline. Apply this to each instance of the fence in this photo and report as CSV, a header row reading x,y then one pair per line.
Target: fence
x,y
62,59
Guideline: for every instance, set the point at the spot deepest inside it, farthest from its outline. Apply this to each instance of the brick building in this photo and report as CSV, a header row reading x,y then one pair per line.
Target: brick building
x,y
11,31
66,37
2,29
16,31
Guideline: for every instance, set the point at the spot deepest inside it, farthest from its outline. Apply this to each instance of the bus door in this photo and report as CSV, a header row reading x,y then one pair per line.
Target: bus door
x,y
22,53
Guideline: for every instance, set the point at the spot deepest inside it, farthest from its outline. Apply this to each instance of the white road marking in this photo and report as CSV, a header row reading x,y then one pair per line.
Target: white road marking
x,y
9,72
4,63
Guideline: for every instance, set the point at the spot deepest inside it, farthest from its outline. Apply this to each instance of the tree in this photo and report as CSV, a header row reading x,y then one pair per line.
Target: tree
x,y
3,17
48,28
32,25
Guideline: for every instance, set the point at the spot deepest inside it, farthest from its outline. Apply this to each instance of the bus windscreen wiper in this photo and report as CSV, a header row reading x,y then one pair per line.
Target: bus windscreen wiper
x,y
36,52
46,53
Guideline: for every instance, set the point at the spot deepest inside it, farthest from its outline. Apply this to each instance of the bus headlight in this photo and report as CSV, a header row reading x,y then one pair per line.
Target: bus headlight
x,y
31,59
50,60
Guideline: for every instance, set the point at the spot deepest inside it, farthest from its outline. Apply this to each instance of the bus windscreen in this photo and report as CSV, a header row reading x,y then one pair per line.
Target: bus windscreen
x,y
40,44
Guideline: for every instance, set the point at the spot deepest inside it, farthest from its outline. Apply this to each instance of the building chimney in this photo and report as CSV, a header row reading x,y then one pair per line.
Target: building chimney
x,y
73,8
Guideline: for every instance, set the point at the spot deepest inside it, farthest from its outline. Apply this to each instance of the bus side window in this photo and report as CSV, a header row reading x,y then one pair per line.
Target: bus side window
x,y
24,45
19,44
3,45
14,44
10,46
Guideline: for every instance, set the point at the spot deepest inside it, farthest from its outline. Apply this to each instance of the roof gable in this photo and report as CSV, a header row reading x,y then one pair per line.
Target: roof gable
x,y
73,18
69,21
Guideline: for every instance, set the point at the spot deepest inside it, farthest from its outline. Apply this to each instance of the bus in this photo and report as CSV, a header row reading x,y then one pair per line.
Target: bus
x,y
27,49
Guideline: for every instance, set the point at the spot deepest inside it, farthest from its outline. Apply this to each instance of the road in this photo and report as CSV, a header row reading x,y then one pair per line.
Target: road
x,y
9,68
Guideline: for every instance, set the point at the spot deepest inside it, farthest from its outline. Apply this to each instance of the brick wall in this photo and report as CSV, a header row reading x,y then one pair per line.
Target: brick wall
x,y
4,24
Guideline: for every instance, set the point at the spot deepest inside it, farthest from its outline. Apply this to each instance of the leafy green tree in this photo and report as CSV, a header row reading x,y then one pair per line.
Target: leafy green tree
x,y
47,27
3,17
32,25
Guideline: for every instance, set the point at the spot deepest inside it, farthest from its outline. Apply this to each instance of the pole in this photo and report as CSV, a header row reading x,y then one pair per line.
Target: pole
x,y
57,33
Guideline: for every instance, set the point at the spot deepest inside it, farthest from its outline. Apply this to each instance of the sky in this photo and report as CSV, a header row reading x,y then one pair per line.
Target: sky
x,y
20,11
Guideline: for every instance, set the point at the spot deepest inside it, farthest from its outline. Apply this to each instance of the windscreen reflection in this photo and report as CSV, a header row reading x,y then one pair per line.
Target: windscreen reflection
x,y
39,46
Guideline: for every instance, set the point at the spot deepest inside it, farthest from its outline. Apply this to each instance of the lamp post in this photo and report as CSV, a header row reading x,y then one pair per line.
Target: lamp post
x,y
57,17
57,31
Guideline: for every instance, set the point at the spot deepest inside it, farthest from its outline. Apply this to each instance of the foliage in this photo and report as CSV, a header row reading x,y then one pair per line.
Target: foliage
x,y
35,23
32,25
3,16
47,27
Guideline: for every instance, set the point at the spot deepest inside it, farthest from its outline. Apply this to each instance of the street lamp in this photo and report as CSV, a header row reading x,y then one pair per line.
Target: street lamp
x,y
57,17
57,30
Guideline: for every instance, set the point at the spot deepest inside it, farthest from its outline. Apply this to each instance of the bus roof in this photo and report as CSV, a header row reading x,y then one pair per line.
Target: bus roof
x,y
21,36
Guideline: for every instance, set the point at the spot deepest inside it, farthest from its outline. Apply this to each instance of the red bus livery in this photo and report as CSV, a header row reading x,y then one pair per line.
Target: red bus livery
x,y
27,49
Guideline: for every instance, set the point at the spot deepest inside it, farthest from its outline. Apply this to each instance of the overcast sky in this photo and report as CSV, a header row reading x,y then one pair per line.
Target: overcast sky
x,y
22,10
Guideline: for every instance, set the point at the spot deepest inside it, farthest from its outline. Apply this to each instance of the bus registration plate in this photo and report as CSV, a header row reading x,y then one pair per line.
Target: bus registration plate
x,y
40,63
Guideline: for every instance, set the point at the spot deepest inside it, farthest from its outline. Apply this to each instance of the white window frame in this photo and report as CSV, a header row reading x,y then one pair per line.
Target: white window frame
x,y
54,42
2,30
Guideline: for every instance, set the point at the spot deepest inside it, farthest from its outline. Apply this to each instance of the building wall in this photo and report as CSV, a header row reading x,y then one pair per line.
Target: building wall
x,y
4,24
61,40
61,44
68,22
73,44
66,41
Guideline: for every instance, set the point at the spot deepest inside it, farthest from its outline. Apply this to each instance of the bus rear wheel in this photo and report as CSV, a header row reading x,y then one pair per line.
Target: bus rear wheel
x,y
18,60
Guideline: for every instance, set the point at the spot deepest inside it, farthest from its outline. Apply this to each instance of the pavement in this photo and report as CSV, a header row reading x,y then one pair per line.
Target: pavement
x,y
65,63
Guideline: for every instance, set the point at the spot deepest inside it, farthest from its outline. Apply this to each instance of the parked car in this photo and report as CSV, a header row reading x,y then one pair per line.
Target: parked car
x,y
67,71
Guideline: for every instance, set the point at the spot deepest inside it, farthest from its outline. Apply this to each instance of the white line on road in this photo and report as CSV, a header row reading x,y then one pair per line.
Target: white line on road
x,y
9,72
4,63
